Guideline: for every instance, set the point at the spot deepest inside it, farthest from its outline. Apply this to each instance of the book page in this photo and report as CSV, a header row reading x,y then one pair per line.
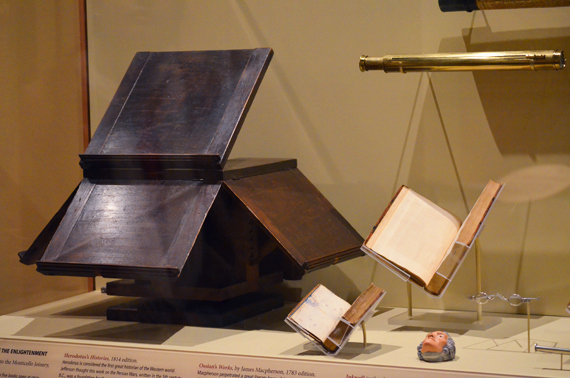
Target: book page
x,y
416,235
320,312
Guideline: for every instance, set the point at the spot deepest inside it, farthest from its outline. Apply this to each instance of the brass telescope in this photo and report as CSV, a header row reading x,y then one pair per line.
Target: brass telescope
x,y
473,5
533,60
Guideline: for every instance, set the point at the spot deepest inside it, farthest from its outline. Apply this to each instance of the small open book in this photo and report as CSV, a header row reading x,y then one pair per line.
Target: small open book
x,y
328,320
420,241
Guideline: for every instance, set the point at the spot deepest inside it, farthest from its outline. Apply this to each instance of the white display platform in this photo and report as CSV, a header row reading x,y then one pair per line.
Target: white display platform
x,y
72,338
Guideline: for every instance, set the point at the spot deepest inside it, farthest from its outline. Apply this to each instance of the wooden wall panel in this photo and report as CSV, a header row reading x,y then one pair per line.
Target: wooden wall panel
x,y
41,135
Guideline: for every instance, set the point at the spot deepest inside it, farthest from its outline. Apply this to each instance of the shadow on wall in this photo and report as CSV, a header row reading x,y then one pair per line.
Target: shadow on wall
x,y
527,111
452,155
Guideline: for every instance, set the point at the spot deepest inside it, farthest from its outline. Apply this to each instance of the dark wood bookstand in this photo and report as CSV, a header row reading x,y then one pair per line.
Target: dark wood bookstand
x,y
162,208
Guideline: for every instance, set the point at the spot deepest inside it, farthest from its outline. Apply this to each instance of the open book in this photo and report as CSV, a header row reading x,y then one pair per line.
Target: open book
x,y
328,320
424,243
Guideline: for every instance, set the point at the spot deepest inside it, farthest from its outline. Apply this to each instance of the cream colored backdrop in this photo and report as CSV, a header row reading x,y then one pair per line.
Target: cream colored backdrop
x,y
359,136
40,139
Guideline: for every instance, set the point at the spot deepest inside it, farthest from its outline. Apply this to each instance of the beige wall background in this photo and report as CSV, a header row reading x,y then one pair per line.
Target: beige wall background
x,y
40,138
359,136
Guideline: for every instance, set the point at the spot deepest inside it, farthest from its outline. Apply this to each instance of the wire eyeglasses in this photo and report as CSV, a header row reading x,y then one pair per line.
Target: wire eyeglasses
x,y
514,300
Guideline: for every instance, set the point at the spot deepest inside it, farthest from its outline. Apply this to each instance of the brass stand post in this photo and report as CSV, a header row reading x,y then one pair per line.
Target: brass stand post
x,y
409,289
528,323
478,279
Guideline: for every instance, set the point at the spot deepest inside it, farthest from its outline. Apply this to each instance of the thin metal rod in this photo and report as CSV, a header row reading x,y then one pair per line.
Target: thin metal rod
x,y
545,349
528,323
478,279
561,351
409,290
532,60
363,334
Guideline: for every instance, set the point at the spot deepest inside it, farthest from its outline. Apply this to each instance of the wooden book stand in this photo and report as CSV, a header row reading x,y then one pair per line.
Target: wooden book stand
x,y
162,208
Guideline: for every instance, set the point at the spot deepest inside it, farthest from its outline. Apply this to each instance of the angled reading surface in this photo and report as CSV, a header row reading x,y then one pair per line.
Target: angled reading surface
x,y
328,320
159,206
129,229
422,242
38,247
299,217
181,109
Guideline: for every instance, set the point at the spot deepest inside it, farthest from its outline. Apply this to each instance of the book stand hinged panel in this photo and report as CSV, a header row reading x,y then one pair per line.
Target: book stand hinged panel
x,y
456,237
423,243
195,235
328,321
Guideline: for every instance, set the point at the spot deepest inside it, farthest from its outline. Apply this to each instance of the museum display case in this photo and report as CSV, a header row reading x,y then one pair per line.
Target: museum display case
x,y
199,257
